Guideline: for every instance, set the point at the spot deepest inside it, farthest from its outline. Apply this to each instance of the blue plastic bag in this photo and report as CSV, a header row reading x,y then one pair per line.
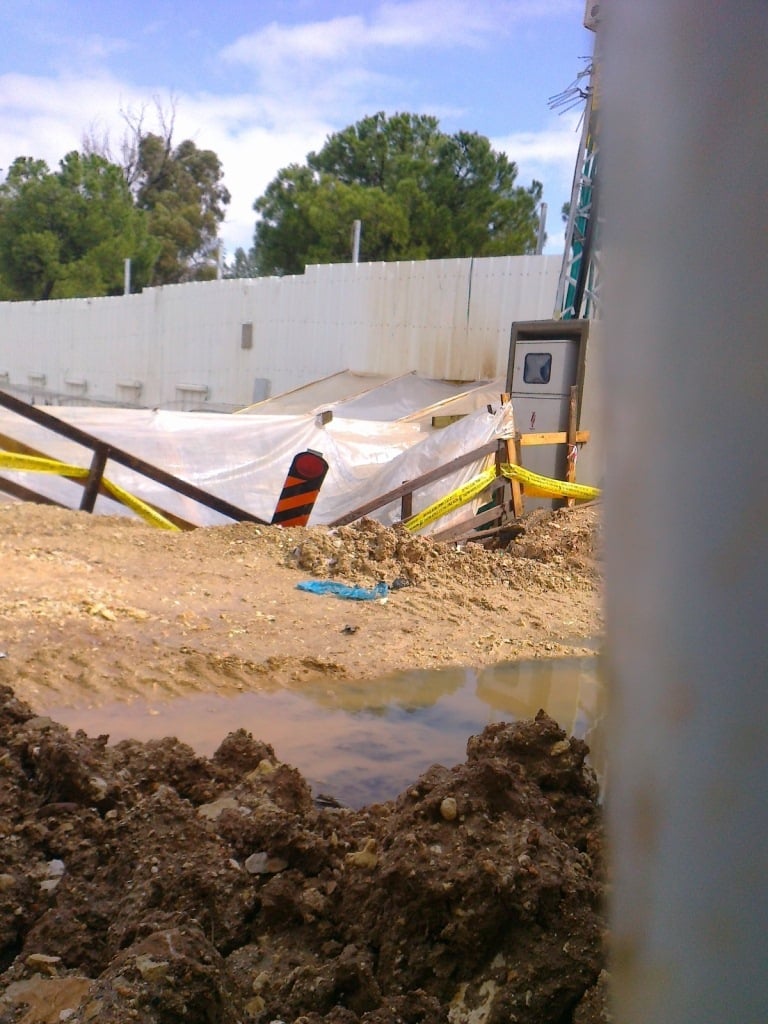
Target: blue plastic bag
x,y
343,590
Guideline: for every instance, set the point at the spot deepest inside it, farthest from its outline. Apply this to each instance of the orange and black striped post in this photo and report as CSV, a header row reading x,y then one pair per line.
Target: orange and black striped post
x,y
300,490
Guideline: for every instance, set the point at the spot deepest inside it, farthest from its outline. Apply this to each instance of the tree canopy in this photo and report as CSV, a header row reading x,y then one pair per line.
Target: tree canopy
x,y
419,193
182,191
67,233
180,186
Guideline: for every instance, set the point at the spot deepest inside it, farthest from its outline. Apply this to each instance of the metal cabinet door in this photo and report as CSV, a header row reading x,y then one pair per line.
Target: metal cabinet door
x,y
543,374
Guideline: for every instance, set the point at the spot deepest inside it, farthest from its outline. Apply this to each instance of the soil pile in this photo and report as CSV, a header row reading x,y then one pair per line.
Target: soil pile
x,y
144,883
97,608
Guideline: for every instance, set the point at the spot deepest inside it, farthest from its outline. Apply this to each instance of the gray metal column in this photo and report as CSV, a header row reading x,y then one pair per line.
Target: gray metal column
x,y
685,149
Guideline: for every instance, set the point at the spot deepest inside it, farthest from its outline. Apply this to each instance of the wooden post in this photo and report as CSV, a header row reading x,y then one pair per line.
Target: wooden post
x,y
570,458
406,505
93,482
513,458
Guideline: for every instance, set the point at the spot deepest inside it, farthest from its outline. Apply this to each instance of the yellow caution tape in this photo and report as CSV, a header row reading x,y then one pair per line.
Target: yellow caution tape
x,y
146,512
35,464
452,501
545,487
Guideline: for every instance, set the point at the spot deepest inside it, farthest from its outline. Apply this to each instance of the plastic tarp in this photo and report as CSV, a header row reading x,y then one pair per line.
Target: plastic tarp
x,y
363,397
317,395
244,459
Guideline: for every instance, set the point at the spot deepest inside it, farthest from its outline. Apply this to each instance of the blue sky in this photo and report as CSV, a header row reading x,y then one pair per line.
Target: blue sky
x,y
263,83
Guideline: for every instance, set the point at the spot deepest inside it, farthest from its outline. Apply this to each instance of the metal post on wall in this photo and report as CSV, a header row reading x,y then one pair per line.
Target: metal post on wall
x,y
127,277
356,228
541,237
686,495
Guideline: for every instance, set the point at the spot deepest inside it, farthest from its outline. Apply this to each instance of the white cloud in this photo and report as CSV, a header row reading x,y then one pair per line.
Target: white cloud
x,y
416,24
548,155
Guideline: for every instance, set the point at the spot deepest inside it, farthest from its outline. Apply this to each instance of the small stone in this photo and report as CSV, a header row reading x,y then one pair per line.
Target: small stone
x,y
365,858
99,787
449,809
151,969
43,962
55,868
7,882
256,864
262,864
561,747
264,767
260,981
214,809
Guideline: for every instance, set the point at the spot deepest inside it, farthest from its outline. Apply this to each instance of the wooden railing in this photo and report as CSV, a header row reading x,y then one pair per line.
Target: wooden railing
x,y
103,453
508,506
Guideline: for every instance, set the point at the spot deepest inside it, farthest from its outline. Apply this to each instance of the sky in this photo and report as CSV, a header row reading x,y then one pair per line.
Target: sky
x,y
263,83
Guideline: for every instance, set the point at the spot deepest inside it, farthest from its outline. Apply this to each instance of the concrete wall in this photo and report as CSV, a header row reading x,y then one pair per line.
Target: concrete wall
x,y
184,346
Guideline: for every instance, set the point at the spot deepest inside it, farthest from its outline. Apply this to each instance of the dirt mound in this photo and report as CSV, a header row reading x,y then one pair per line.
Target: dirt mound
x,y
97,608
144,883
366,552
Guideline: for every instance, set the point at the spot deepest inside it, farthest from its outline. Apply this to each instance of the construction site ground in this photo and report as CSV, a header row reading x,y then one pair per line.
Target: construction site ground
x,y
142,881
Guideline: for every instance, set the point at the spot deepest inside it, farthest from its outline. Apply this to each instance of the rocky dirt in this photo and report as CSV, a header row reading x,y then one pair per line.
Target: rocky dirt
x,y
93,607
143,882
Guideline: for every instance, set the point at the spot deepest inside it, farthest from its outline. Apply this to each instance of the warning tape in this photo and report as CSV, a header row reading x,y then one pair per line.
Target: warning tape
x,y
535,484
35,464
545,487
452,501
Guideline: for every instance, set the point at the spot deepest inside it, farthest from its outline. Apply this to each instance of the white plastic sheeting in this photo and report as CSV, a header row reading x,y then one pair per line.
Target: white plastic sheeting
x,y
244,459
373,398
324,393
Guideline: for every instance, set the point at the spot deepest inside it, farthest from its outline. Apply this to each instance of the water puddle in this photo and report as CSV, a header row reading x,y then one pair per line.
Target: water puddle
x,y
367,741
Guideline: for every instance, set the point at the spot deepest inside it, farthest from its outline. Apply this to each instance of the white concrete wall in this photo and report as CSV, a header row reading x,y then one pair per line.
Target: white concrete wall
x,y
447,319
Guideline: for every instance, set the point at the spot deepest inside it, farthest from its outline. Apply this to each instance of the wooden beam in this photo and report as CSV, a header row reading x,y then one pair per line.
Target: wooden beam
x,y
44,419
406,504
512,449
559,437
25,494
570,459
413,485
468,525
10,444
93,480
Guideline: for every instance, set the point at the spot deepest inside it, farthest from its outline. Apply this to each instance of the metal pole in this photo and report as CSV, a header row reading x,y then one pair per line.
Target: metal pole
x,y
356,241
127,277
542,229
686,381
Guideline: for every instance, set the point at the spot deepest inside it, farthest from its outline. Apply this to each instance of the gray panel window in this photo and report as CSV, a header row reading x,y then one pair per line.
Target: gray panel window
x,y
537,368
246,335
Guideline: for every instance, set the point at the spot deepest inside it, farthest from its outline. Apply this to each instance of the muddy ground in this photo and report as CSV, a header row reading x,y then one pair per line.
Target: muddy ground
x,y
143,882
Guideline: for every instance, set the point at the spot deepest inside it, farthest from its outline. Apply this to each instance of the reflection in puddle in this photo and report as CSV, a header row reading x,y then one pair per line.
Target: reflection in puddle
x,y
367,741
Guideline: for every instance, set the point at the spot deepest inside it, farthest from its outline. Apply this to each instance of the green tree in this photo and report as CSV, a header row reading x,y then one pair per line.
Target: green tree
x,y
419,193
179,186
67,233
181,189
241,266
